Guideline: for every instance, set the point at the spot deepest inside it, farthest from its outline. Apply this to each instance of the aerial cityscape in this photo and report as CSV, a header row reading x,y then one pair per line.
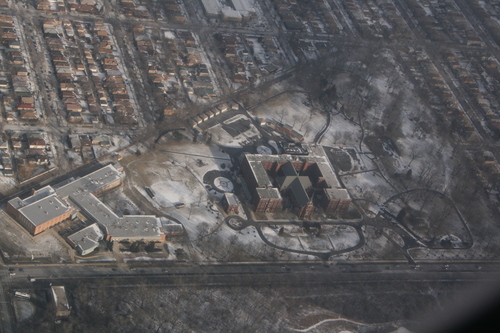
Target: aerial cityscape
x,y
248,165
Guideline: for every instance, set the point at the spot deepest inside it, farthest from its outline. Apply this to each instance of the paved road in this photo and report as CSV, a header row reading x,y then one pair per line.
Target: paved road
x,y
229,273
241,274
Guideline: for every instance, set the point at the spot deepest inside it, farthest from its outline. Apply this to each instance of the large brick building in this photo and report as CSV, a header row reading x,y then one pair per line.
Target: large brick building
x,y
39,212
305,180
48,206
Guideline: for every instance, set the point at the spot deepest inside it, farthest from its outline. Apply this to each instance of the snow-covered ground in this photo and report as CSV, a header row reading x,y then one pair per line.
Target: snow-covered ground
x,y
19,245
223,138
117,143
292,109
6,183
175,174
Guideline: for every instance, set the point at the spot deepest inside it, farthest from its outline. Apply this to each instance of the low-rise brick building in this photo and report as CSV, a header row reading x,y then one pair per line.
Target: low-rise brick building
x,y
230,203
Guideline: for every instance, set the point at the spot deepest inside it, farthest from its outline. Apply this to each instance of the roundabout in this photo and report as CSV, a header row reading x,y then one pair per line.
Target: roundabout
x,y
219,181
236,222
222,184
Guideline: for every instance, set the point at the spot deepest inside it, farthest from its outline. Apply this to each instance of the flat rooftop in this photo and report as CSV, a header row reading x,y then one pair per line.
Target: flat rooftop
x,y
42,210
231,198
38,195
244,5
255,161
116,226
211,6
48,203
268,193
260,174
80,193
338,193
87,238
91,182
136,226
60,299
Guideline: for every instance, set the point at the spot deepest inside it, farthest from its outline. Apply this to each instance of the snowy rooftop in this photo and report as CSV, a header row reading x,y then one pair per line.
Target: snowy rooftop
x,y
212,7
268,193
60,299
87,238
42,210
255,161
243,5
45,205
231,198
260,173
284,158
229,13
127,226
37,195
338,193
91,182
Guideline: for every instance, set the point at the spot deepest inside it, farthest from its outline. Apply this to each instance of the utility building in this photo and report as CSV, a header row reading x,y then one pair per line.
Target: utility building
x,y
61,304
230,203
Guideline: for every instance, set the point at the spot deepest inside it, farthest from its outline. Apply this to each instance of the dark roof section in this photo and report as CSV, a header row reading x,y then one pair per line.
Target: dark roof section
x,y
291,180
299,192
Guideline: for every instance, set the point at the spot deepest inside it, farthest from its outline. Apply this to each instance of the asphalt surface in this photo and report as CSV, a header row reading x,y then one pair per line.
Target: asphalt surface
x,y
260,273
290,274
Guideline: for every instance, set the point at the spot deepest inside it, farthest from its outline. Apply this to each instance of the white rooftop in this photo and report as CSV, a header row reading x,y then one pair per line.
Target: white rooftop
x,y
231,13
48,203
212,7
42,210
87,238
232,199
244,5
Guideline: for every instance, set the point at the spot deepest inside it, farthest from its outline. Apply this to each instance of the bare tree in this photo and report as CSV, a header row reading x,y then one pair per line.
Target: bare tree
x,y
415,152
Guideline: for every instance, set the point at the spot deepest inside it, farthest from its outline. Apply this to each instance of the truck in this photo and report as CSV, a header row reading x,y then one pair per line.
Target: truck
x,y
150,192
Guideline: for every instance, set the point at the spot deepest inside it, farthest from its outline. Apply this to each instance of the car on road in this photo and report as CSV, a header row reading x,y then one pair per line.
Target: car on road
x,y
12,273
